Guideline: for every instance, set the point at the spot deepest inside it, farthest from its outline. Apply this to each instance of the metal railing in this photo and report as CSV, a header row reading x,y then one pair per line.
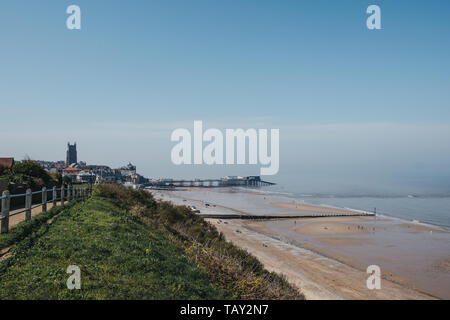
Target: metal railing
x,y
61,195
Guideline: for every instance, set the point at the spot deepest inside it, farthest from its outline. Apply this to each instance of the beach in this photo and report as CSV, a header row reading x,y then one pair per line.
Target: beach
x,y
327,257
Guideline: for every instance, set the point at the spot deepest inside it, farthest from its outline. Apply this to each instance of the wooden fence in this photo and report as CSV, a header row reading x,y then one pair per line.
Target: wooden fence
x,y
60,195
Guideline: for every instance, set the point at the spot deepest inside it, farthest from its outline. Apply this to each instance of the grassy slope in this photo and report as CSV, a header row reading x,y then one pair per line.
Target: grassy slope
x,y
110,248
107,237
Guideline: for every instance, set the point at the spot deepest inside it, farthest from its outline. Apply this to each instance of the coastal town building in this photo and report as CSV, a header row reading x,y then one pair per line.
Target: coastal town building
x,y
86,176
6,163
75,171
128,170
71,156
71,173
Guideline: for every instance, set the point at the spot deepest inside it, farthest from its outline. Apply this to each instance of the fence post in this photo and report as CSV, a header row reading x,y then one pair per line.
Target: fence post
x,y
62,195
5,212
44,199
54,196
28,202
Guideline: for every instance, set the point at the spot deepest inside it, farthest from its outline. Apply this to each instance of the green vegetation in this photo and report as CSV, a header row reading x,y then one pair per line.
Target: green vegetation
x,y
29,174
30,168
129,246
234,270
29,228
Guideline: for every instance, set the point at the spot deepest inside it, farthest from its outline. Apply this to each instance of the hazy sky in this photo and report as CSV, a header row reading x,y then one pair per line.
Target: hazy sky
x,y
349,102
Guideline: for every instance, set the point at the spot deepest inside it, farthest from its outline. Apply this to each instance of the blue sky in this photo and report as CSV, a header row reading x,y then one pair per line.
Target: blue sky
x,y
139,69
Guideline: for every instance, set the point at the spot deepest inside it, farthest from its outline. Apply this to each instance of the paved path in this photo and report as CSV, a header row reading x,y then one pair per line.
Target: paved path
x,y
15,220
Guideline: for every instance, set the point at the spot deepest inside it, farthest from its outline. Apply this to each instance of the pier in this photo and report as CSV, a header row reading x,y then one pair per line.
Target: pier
x,y
250,181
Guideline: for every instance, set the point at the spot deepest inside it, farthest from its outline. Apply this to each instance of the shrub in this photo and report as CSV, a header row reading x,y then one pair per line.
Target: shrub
x,y
32,169
28,174
126,198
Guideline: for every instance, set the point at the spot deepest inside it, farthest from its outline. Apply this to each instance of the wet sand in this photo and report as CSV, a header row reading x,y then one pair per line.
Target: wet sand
x,y
328,258
414,257
317,276
417,228
330,228
310,208
443,265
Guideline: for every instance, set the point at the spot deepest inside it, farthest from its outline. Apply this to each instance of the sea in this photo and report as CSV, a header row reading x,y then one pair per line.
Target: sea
x,y
416,202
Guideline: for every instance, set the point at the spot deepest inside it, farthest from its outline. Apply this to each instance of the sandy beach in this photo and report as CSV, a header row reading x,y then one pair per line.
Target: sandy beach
x,y
327,257
318,277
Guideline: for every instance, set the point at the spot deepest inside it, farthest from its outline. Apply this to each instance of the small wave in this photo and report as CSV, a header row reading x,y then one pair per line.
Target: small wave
x,y
275,193
371,196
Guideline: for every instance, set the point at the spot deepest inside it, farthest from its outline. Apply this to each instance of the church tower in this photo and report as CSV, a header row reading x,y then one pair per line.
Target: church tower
x,y
71,156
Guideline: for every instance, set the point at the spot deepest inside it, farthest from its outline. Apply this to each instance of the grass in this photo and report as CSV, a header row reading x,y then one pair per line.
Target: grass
x,y
108,235
27,228
109,246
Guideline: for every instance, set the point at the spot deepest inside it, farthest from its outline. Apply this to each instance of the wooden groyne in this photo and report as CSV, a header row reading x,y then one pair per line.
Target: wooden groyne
x,y
277,217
